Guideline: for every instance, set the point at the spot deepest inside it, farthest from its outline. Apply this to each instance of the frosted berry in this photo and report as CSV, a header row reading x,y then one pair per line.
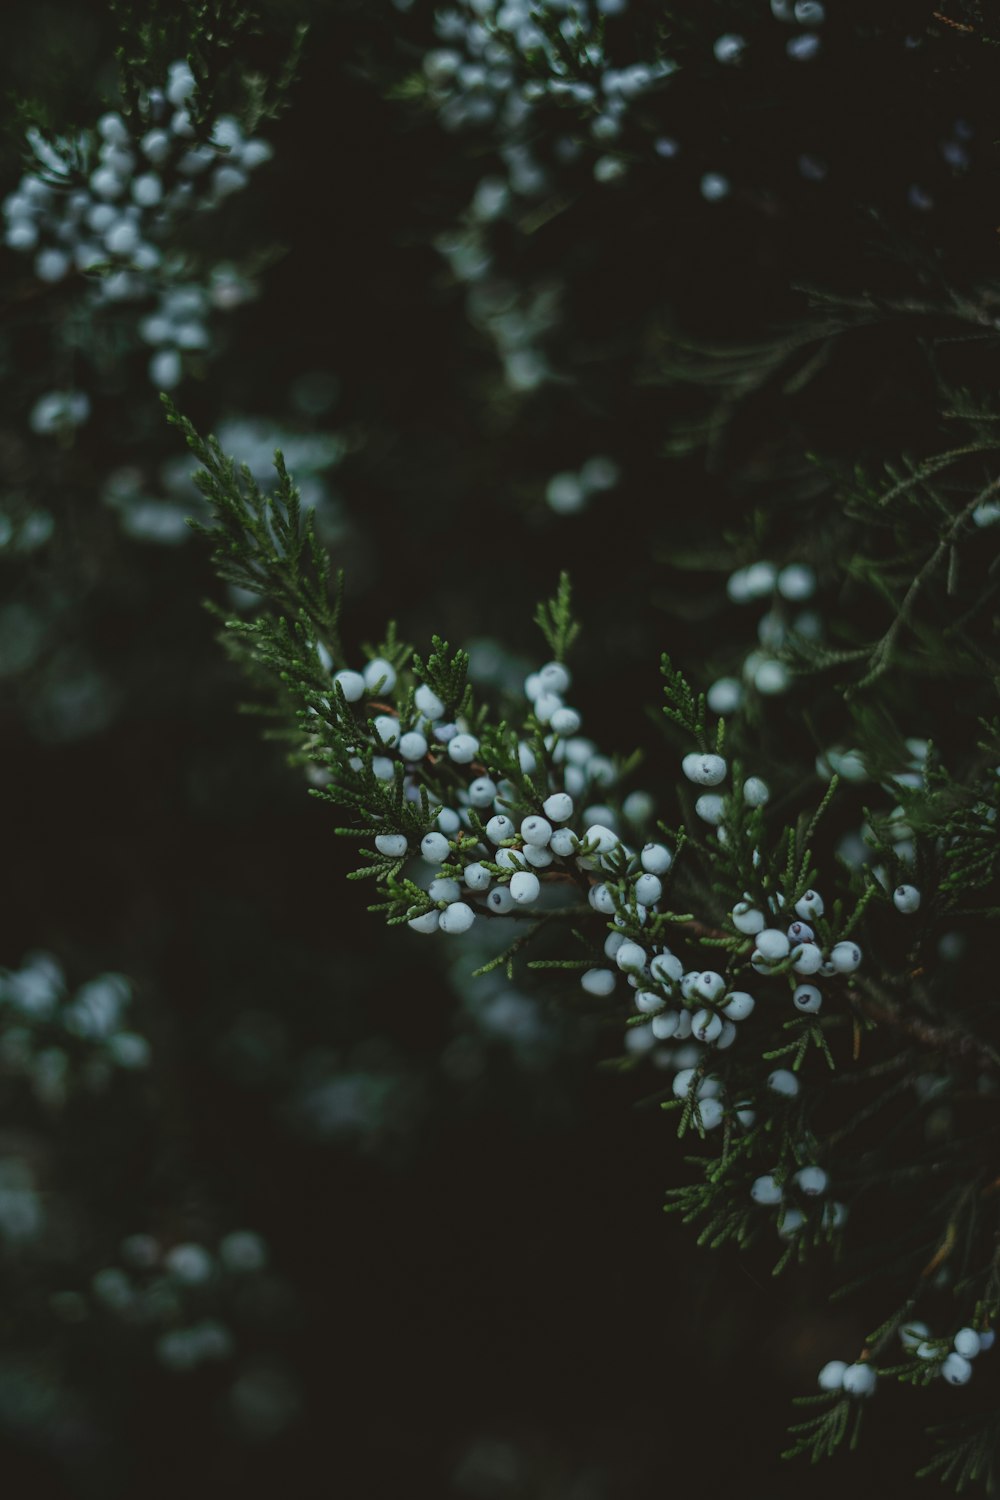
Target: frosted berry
x,y
648,1002
630,956
499,827
524,887
809,906
598,982
831,1377
648,889
463,748
709,985
906,898
665,1025
704,770
392,845
386,729
428,703
603,838
738,1006
667,968
755,792
766,1191
428,922
565,721
537,831
807,958
913,1333
808,999
351,684
711,808
554,678
558,807
380,676
539,858
563,842
782,1081
967,1343
845,957
956,1370
859,1380
434,848
710,1112
812,1181
772,945
747,919
656,859
706,1025
477,877
458,917
412,745
500,901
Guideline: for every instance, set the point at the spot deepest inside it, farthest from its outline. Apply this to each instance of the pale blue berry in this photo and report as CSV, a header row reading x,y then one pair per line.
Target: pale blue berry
x,y
738,1005
434,848
351,684
596,981
428,703
782,1081
845,957
412,745
704,770
648,889
558,807
500,900
392,845
380,675
477,877
386,729
498,828
956,1370
463,749
537,831
457,918
524,887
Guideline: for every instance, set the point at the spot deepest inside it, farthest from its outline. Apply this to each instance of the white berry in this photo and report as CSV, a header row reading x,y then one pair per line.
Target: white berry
x,y
755,792
656,859
434,848
706,1025
477,877
782,1081
598,981
831,1377
738,1006
956,1370
766,1191
428,922
906,898
558,807
524,887
463,748
845,957
393,845
498,828
808,999
812,1181
352,685
859,1380
537,831
772,945
967,1343
458,917
386,729
412,746
630,956
648,889
704,770
380,676
428,703
747,919
809,905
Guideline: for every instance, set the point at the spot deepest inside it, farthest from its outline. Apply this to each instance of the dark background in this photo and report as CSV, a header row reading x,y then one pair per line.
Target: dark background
x,y
485,1297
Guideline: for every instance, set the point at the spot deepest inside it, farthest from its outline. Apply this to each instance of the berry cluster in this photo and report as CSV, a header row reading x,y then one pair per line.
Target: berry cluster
x,y
62,1042
179,1296
107,205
